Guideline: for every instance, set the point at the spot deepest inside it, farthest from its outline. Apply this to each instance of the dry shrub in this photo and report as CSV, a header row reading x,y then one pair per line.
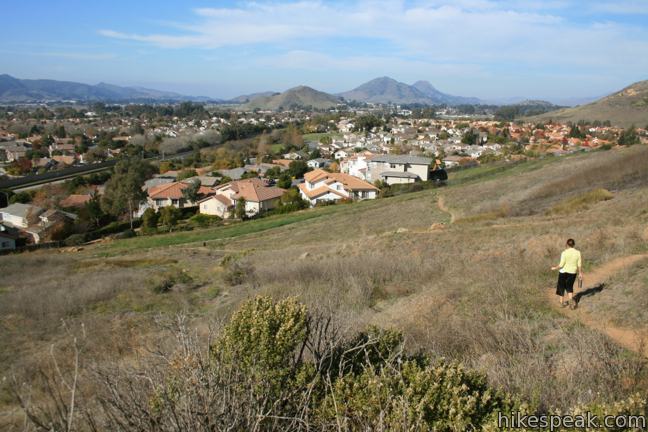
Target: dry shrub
x,y
623,170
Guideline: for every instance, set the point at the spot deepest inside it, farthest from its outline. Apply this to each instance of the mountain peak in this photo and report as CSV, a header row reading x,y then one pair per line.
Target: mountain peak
x,y
388,90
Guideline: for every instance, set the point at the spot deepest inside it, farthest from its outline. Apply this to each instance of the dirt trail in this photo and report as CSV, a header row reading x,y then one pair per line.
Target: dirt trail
x,y
632,339
442,206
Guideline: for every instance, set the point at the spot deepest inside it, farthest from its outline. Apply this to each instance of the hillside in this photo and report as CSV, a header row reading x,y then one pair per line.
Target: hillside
x,y
27,90
462,271
623,109
297,97
248,97
388,90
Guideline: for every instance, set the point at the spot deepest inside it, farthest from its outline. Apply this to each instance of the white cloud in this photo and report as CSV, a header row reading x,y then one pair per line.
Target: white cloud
x,y
522,33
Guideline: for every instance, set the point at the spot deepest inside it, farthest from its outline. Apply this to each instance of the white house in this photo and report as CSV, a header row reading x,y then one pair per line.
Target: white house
x,y
357,165
320,186
258,198
394,169
317,163
20,215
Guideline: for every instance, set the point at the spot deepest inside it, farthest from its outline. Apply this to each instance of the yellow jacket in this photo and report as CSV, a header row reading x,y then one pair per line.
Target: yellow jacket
x,y
570,261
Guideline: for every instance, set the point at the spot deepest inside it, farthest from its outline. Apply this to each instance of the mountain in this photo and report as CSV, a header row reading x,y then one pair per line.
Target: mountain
x,y
624,108
28,90
388,90
430,91
297,97
247,98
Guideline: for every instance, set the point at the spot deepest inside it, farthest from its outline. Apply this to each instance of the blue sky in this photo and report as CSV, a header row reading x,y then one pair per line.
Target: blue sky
x,y
490,49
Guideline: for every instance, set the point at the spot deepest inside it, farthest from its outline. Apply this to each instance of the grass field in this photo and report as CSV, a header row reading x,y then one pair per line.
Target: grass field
x,y
474,291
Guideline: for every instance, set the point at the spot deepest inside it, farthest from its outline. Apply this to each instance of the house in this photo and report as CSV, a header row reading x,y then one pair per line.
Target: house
x,y
357,165
15,150
341,154
75,201
7,238
64,160
318,163
258,198
170,194
20,215
320,186
394,169
49,223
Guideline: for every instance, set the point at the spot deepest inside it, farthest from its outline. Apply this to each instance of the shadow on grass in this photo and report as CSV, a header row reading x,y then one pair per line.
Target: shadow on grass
x,y
589,292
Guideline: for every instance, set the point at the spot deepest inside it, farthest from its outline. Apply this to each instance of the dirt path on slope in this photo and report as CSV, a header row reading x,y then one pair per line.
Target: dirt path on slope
x,y
442,206
632,339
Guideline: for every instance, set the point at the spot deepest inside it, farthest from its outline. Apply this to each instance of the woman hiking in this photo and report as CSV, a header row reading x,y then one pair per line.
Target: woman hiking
x,y
570,266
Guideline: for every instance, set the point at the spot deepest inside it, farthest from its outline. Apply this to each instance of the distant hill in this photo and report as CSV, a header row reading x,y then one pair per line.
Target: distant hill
x,y
297,97
388,90
624,108
247,98
28,90
439,97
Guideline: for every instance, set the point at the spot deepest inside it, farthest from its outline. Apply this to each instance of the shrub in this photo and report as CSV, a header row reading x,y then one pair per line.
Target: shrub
x,y
235,271
203,220
75,240
164,282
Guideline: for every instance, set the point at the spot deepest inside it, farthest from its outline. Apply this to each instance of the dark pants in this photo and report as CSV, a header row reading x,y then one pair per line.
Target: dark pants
x,y
565,283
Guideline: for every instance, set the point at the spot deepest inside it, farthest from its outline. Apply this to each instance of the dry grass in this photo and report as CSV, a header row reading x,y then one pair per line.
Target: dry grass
x,y
474,291
580,202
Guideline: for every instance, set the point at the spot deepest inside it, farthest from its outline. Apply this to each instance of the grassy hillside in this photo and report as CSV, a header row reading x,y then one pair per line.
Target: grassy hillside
x,y
474,291
625,108
298,97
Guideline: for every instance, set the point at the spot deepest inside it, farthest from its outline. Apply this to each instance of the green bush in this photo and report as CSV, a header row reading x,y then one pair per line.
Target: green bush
x,y
203,220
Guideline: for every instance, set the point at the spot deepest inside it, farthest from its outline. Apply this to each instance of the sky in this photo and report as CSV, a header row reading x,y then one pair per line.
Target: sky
x,y
549,49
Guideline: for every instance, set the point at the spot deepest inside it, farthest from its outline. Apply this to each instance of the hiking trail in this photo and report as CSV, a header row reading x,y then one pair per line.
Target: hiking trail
x,y
442,206
632,339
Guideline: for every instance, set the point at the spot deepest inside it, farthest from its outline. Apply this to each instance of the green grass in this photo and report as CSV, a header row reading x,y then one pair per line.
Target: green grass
x,y
277,148
318,136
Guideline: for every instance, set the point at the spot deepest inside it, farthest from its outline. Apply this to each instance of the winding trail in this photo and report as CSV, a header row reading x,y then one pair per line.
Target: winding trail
x,y
442,206
632,339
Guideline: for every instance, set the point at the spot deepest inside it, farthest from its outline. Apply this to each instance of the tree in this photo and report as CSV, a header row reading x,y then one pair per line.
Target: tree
x,y
169,216
285,181
124,189
60,132
149,220
293,137
91,215
239,211
629,137
190,193
297,168
315,154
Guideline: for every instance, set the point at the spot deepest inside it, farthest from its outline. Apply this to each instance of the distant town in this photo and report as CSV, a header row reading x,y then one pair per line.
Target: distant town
x,y
208,164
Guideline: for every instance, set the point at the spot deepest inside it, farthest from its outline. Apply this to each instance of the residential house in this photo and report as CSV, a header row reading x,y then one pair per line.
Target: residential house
x,y
341,154
258,198
8,238
20,215
15,150
396,169
318,163
49,223
357,165
320,186
170,194
75,200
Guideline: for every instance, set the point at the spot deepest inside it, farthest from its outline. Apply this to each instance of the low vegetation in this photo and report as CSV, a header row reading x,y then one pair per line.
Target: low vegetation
x,y
474,293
